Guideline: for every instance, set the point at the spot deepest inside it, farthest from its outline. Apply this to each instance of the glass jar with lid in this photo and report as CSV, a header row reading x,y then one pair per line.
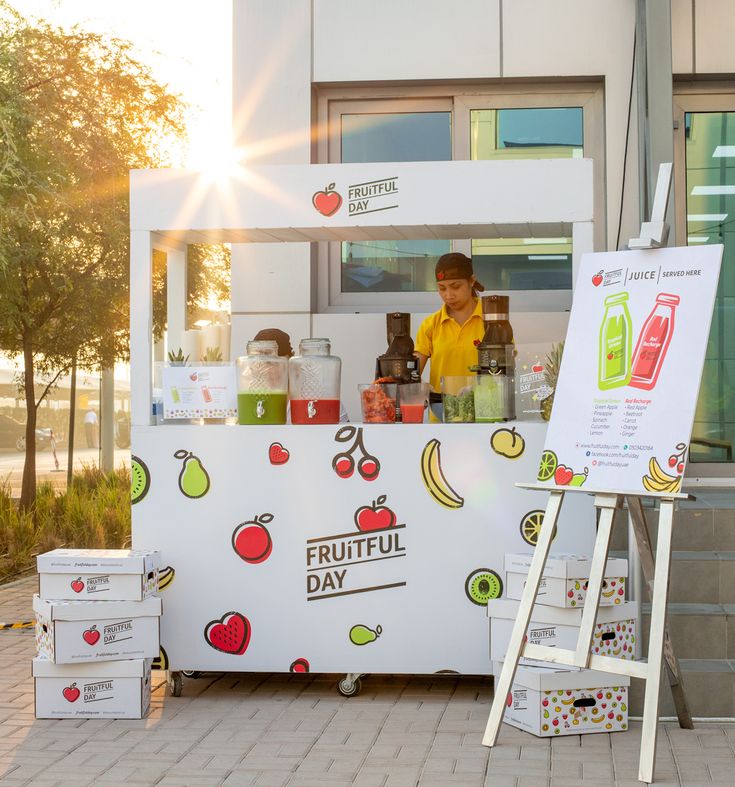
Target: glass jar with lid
x,y
262,388
314,382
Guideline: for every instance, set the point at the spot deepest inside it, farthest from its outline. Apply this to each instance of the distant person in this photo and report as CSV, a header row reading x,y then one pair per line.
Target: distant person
x,y
90,428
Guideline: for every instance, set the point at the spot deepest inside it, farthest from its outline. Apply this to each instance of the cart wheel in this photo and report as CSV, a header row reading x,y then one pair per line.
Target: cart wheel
x,y
348,687
175,684
191,673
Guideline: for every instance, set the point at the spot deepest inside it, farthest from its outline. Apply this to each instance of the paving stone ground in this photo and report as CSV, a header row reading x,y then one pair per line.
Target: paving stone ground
x,y
272,730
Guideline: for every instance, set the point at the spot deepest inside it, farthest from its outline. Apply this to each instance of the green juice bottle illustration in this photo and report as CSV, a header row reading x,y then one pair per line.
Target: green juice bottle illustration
x,y
615,343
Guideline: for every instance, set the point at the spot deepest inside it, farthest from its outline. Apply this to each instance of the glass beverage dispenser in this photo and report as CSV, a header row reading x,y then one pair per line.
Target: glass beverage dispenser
x,y
495,386
262,388
314,381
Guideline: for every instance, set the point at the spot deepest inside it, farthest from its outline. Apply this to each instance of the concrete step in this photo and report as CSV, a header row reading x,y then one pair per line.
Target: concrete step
x,y
698,631
709,686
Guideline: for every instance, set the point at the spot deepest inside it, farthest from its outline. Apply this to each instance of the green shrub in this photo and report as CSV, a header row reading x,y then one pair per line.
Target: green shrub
x,y
94,513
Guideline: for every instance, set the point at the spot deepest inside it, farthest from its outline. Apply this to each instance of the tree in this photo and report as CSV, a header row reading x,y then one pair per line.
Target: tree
x,y
77,112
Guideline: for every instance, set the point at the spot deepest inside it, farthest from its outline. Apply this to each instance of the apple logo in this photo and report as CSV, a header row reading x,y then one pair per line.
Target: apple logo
x,y
252,540
375,517
537,367
71,693
77,585
597,279
327,202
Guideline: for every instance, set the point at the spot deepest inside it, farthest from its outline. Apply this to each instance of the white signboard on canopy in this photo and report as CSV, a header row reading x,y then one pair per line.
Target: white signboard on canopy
x,y
629,379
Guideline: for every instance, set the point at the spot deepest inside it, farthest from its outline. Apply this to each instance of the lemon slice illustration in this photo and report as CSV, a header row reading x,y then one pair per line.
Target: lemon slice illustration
x,y
531,527
547,466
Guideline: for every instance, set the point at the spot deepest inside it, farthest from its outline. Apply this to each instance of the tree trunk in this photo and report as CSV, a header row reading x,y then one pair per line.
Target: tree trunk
x,y
28,487
72,421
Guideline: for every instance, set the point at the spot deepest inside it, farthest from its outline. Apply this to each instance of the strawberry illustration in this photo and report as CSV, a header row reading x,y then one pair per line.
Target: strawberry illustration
x,y
277,454
91,636
228,634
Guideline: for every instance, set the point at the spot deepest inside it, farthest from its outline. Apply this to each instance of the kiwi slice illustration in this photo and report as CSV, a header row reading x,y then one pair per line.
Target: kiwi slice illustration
x,y
482,585
140,479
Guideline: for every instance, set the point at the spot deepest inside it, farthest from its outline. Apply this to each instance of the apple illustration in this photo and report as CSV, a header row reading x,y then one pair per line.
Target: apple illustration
x,y
610,356
537,367
77,585
91,636
327,202
375,517
299,666
597,279
252,540
71,693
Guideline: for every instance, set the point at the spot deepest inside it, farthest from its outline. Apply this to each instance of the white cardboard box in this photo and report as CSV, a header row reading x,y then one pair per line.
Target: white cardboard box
x,y
71,632
549,701
106,690
557,627
564,583
100,574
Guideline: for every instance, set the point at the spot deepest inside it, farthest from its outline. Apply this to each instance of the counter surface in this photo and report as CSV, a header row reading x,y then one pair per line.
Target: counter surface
x,y
343,548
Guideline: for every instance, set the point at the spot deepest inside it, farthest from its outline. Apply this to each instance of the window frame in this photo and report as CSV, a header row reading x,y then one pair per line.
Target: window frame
x,y
697,97
459,100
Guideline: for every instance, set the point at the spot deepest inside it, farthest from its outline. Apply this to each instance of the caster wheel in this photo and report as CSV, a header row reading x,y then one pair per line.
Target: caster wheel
x,y
193,673
349,688
175,684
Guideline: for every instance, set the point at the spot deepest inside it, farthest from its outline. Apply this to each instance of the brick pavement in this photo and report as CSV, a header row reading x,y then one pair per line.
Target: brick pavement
x,y
272,730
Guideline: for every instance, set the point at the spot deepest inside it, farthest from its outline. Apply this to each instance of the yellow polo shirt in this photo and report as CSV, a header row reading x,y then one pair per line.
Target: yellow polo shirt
x,y
450,346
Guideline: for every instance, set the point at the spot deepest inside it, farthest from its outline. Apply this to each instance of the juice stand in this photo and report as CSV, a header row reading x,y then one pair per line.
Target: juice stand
x,y
348,548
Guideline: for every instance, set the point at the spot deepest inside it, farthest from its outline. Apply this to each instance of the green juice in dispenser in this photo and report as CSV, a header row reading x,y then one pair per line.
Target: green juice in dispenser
x,y
615,343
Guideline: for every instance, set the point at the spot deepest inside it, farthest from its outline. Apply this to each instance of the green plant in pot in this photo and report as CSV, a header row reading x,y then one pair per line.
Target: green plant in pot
x,y
551,376
178,358
212,355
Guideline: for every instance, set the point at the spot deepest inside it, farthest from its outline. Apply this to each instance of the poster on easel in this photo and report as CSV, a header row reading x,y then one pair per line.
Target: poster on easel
x,y
629,379
204,391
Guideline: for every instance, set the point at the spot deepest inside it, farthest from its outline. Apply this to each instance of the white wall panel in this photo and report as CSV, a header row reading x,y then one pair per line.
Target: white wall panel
x,y
405,39
682,36
572,38
271,277
715,33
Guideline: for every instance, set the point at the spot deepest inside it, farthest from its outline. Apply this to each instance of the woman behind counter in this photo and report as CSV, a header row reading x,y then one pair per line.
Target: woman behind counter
x,y
449,336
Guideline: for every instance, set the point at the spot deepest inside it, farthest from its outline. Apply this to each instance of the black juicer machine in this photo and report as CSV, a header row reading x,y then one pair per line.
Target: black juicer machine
x,y
496,351
398,361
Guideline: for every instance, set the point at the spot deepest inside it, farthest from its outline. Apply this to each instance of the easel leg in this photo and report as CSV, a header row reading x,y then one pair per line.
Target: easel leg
x,y
673,670
607,505
525,608
656,642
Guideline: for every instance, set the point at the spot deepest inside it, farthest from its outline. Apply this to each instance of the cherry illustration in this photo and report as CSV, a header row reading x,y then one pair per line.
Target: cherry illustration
x,y
344,468
672,461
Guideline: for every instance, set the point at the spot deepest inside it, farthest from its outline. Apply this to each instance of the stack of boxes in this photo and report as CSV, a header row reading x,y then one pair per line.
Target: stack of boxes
x,y
547,700
97,632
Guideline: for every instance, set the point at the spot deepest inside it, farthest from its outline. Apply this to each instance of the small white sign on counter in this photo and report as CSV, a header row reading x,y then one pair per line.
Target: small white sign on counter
x,y
110,690
71,632
200,391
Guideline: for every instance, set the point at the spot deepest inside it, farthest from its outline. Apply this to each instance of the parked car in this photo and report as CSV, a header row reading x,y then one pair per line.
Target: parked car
x,y
13,435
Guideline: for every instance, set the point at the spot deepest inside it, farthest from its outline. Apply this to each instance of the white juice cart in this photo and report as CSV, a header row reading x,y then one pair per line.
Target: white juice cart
x,y
284,563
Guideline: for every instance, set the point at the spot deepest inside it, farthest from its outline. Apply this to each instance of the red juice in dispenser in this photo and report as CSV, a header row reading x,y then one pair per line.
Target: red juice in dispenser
x,y
653,342
314,411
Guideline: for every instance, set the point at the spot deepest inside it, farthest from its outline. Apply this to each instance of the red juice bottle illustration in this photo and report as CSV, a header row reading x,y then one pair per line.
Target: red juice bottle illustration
x,y
653,342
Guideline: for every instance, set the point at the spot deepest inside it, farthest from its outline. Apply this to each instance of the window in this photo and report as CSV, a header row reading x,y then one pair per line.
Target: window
x,y
375,126
709,204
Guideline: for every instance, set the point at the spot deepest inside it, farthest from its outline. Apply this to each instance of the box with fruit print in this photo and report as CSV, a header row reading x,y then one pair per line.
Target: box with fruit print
x,y
557,627
547,701
105,690
564,583
99,574
71,632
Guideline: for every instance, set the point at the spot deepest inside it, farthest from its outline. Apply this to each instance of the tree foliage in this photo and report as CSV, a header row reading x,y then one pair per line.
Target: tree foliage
x,y
77,112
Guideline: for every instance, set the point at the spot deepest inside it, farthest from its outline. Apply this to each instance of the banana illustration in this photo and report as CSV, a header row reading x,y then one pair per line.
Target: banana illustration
x,y
436,483
657,480
165,577
608,593
568,702
617,651
598,719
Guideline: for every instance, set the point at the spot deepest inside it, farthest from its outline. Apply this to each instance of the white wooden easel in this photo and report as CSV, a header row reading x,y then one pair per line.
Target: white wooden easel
x,y
660,650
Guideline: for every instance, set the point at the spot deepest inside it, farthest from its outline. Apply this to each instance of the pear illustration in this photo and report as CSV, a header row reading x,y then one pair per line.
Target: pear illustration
x,y
193,478
362,635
